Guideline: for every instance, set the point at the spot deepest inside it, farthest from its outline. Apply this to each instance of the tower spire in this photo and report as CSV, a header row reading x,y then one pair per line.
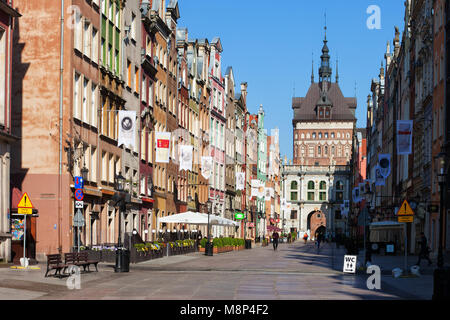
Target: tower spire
x,y
312,68
337,72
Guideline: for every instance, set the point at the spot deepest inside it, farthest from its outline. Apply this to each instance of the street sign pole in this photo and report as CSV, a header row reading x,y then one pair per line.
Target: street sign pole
x,y
24,239
406,247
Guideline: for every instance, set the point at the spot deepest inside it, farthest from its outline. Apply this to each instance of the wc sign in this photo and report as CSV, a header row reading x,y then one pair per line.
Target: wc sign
x,y
349,264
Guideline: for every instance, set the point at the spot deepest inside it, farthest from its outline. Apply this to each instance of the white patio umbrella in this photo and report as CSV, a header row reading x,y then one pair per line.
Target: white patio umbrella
x,y
190,217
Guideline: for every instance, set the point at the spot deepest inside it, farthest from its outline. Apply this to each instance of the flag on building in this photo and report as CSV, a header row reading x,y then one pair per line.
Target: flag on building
x,y
207,164
186,154
404,136
127,129
162,140
384,163
240,180
379,179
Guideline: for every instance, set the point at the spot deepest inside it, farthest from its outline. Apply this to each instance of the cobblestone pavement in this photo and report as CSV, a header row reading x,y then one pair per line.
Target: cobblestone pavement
x,y
293,272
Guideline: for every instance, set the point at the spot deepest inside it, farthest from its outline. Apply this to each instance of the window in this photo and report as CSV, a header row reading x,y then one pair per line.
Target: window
x,y
78,29
133,26
319,150
76,97
320,135
326,135
310,196
323,185
143,143
294,196
332,135
94,55
136,76
322,196
129,74
85,111
293,214
87,39
338,215
326,150
311,185
314,135
339,191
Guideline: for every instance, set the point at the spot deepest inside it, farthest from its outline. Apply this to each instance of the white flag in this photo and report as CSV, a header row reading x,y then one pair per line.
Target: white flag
x,y
186,153
162,140
379,179
257,189
240,180
207,164
268,193
384,163
127,129
404,136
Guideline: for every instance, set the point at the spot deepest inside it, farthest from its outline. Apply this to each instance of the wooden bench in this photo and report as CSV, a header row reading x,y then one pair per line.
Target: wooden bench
x,y
83,259
71,258
54,262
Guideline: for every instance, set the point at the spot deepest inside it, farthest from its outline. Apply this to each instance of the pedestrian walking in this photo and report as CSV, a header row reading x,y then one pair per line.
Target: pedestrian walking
x,y
289,237
319,240
424,250
305,237
275,237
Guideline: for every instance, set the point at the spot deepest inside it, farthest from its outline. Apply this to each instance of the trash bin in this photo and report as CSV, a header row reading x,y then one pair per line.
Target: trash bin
x,y
248,244
122,260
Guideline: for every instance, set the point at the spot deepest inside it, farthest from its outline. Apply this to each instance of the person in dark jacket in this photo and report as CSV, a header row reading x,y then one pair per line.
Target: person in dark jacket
x,y
424,250
275,237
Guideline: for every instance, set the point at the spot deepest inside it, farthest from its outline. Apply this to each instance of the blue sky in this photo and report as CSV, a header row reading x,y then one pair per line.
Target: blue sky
x,y
270,45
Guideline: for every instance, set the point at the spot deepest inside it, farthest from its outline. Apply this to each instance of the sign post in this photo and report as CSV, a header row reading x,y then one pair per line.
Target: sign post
x,y
405,215
25,207
349,264
78,219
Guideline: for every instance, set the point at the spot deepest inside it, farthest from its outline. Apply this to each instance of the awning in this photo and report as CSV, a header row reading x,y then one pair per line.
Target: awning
x,y
386,224
191,217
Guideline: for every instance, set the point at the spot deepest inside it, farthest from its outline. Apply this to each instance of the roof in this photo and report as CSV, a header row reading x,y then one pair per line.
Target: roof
x,y
343,108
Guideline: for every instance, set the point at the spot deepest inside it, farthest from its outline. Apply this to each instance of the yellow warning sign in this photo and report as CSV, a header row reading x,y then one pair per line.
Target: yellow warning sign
x,y
405,209
406,218
25,202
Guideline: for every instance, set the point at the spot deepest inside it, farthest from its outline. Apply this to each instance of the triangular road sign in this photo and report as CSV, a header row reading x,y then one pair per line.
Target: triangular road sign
x,y
25,202
405,209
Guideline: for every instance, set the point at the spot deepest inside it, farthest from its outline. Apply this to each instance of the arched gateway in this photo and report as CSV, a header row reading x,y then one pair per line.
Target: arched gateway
x,y
317,223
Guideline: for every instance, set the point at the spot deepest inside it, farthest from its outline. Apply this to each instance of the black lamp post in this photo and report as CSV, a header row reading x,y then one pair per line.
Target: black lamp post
x,y
208,247
119,181
441,285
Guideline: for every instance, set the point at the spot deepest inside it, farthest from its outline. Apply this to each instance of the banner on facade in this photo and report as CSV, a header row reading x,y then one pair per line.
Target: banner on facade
x,y
404,136
186,154
240,180
356,195
257,189
127,129
207,166
384,163
162,140
379,179
268,193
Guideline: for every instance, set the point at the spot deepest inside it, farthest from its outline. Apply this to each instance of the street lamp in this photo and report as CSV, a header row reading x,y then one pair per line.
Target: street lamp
x,y
84,173
441,275
208,247
119,197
